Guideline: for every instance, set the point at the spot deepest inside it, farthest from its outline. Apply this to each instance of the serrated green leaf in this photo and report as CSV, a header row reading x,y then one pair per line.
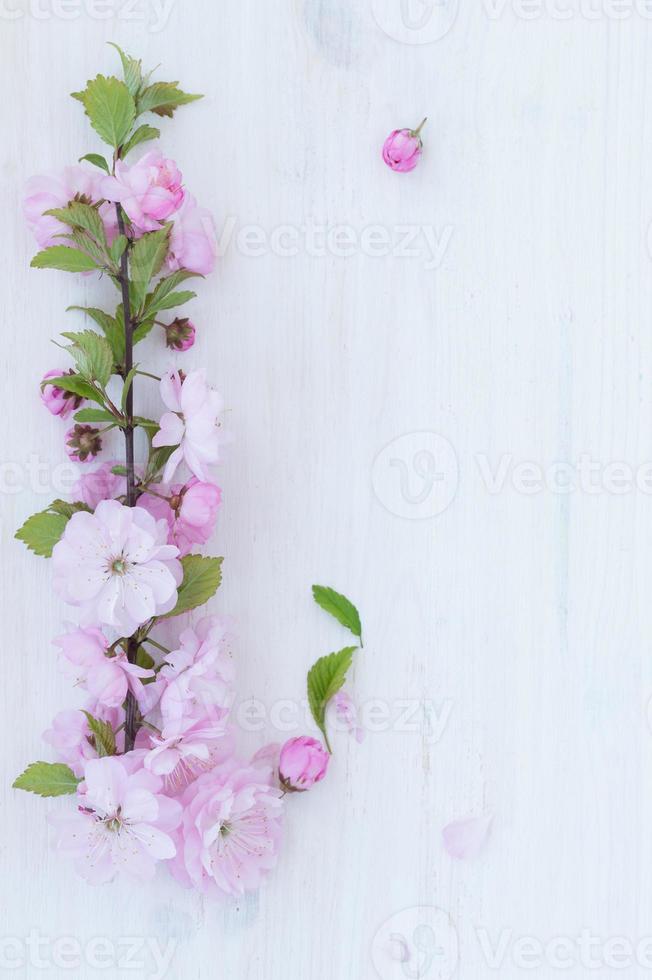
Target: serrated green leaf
x,y
43,530
170,301
95,415
201,580
75,384
92,354
110,107
117,248
156,463
142,135
65,258
325,678
83,216
142,330
129,380
338,606
103,735
132,68
48,779
113,329
119,470
145,261
97,161
163,98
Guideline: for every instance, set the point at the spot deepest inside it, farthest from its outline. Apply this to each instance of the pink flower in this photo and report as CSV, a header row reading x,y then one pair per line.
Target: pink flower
x,y
192,424
402,149
304,762
192,244
180,334
116,564
71,737
101,484
83,443
197,678
122,824
150,190
230,832
84,657
56,400
347,715
56,191
191,512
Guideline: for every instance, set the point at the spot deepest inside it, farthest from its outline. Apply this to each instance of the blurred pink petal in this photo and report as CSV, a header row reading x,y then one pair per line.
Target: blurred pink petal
x,y
464,839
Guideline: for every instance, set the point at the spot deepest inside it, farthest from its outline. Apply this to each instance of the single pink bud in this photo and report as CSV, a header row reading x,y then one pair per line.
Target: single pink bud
x,y
56,400
402,149
304,762
83,443
180,334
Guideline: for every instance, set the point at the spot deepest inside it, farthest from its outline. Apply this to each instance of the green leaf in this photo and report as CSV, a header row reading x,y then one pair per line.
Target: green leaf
x,y
92,354
163,98
119,470
201,580
170,301
142,330
82,216
133,70
129,380
95,415
112,326
97,161
42,531
117,248
65,258
144,660
147,424
110,107
103,736
325,678
77,385
141,135
48,779
146,259
156,463
340,607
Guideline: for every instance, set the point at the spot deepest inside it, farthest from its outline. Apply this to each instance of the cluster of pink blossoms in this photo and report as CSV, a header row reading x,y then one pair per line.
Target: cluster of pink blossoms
x,y
181,795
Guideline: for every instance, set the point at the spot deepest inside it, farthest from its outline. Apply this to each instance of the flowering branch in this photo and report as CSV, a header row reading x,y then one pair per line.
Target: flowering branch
x,y
149,755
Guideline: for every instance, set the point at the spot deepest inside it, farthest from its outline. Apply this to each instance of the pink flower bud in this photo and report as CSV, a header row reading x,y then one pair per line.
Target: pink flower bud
x,y
83,442
56,400
304,762
402,149
180,334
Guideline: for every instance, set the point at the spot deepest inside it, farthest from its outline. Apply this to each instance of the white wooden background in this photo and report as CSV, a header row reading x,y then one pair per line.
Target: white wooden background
x,y
516,625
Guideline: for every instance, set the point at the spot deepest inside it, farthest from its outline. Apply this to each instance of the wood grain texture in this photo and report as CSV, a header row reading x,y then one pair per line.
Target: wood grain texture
x,y
518,622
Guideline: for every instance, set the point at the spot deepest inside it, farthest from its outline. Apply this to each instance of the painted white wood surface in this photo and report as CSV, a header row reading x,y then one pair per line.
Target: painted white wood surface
x,y
521,621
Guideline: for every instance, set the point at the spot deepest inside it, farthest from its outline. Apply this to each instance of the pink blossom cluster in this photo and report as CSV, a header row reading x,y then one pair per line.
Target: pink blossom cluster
x,y
182,796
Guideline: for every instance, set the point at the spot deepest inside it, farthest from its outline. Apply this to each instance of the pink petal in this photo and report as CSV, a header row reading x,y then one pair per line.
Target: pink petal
x,y
464,839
